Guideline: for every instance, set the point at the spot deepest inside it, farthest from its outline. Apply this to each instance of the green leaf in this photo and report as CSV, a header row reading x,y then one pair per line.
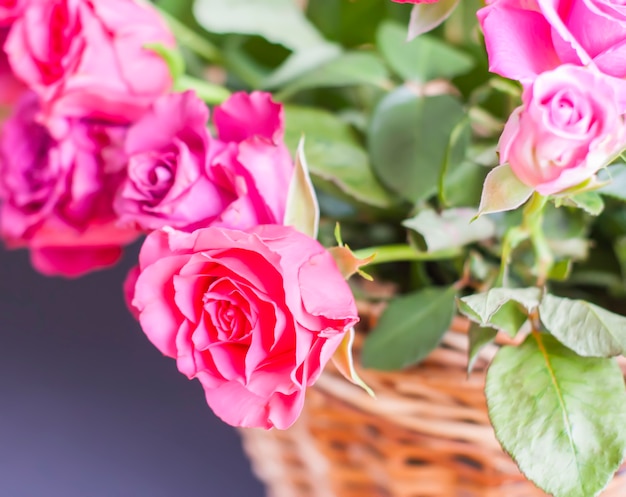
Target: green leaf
x,y
408,140
450,228
456,150
463,185
302,210
561,270
619,248
278,21
349,23
422,59
590,202
427,16
172,57
616,177
501,308
560,416
479,338
334,154
299,64
210,93
502,191
348,69
410,328
585,328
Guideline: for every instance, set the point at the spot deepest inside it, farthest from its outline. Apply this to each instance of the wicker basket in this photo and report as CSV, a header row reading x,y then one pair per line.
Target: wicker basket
x,y
426,435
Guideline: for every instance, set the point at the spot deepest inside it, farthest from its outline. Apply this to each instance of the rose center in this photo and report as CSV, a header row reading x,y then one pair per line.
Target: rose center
x,y
569,112
153,174
228,320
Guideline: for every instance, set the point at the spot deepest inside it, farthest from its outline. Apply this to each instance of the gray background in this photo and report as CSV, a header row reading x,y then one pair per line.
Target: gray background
x,y
89,408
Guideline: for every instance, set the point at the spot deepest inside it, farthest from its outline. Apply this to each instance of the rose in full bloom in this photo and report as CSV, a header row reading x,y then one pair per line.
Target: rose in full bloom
x,y
526,38
57,192
88,58
566,130
179,176
254,315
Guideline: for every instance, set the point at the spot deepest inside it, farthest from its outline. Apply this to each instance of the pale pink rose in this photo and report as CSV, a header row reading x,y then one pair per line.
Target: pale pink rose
x,y
254,315
179,176
57,192
527,37
10,10
88,58
566,130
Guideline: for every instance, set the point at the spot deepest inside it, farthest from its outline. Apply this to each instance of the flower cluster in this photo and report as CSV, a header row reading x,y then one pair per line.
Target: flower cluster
x,y
99,150
569,58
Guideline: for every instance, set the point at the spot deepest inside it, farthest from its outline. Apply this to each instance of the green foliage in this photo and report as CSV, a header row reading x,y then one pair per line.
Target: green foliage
x,y
427,16
334,155
502,191
408,140
450,228
409,329
590,202
278,21
352,23
479,337
585,328
347,69
422,59
616,182
559,415
501,308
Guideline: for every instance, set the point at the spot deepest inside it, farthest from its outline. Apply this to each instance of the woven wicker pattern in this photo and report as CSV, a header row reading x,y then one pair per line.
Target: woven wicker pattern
x,y
426,435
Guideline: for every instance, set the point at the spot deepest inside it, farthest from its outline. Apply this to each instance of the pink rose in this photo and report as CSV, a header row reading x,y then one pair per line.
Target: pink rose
x,y
87,58
254,315
10,10
167,182
525,38
57,193
254,162
11,88
179,176
566,130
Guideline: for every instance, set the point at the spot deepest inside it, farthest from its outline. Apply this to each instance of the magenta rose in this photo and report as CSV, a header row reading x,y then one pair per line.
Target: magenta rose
x,y
11,88
254,315
57,192
526,38
88,58
179,176
167,182
566,130
10,10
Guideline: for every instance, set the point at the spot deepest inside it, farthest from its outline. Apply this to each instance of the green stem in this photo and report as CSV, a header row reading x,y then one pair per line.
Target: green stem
x,y
192,40
512,238
396,253
533,222
211,93
531,228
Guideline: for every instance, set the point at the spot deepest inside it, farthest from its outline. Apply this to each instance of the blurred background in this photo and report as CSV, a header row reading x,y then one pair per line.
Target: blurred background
x,y
89,408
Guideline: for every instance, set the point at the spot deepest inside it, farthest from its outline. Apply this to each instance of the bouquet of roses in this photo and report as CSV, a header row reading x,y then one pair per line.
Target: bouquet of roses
x,y
247,140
